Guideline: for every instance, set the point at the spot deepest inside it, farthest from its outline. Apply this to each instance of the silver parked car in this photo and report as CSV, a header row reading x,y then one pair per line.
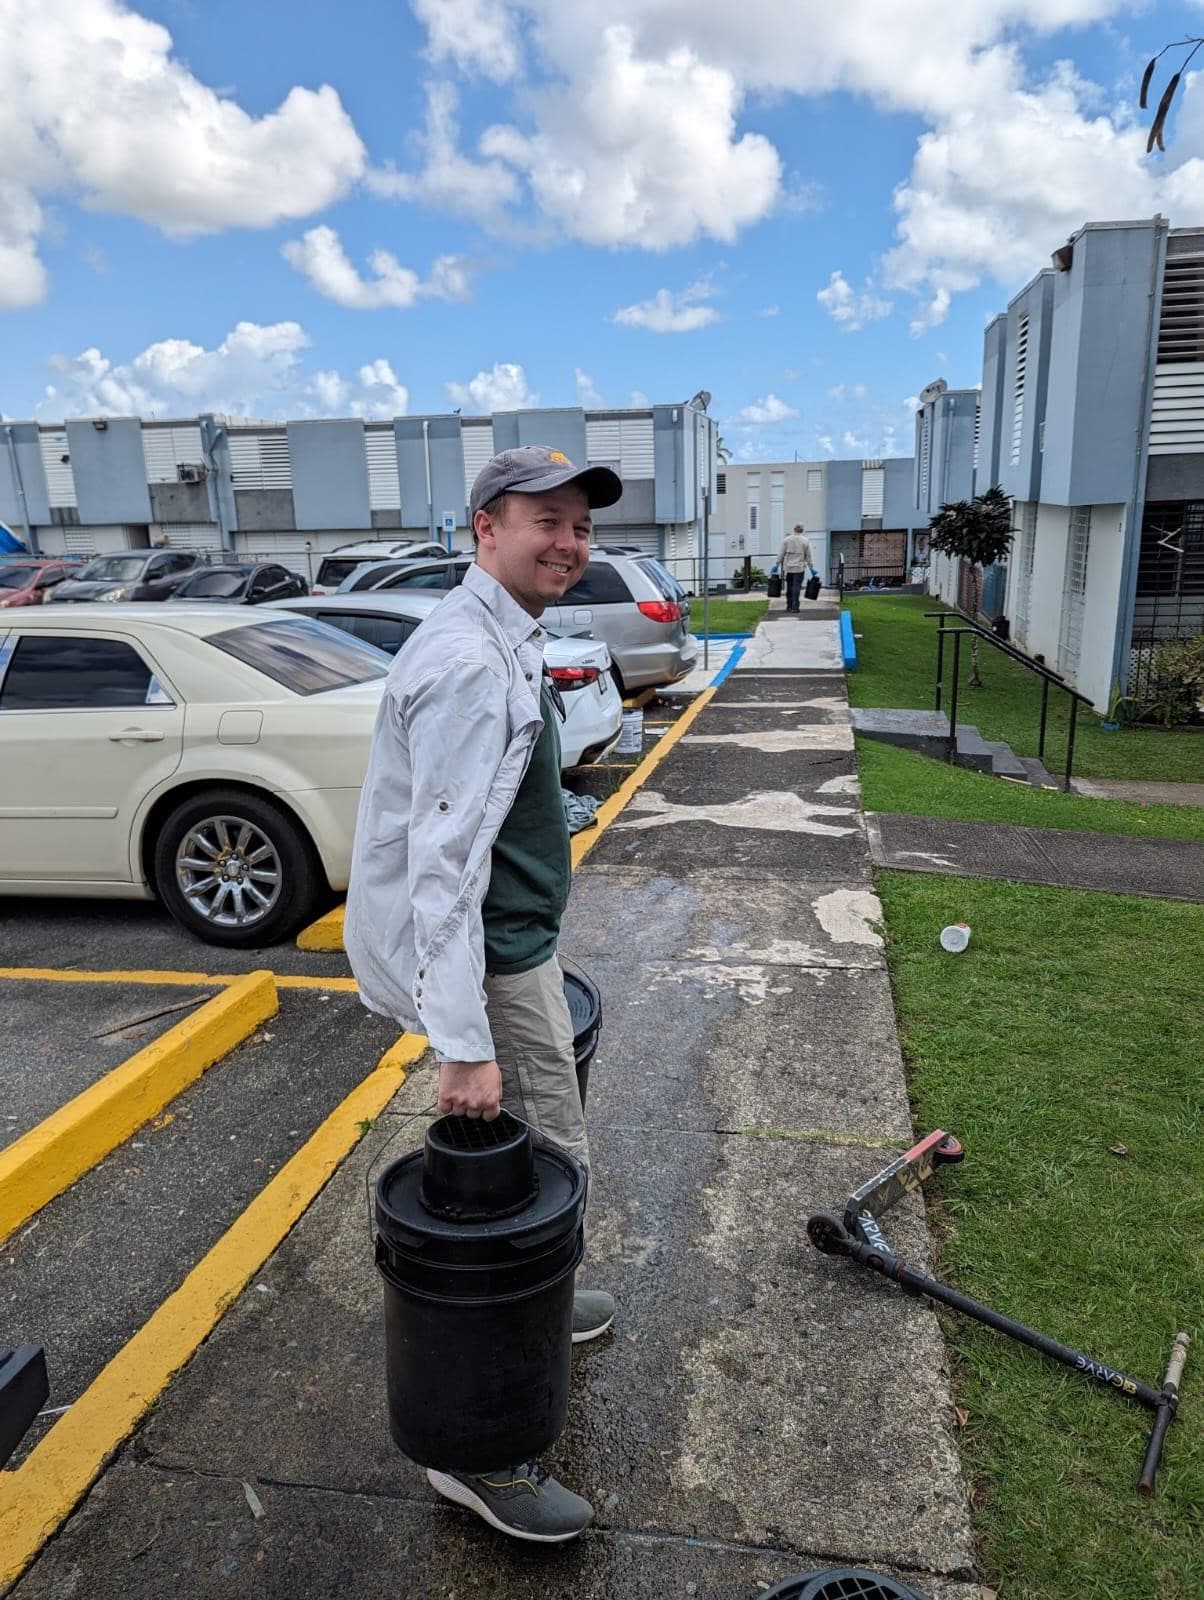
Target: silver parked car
x,y
630,602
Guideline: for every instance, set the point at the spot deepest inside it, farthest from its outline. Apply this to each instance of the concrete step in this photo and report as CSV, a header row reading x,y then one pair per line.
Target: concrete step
x,y
971,749
1038,775
926,732
1005,763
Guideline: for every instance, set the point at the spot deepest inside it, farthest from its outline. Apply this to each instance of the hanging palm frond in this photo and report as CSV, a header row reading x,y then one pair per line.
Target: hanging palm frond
x,y
1158,126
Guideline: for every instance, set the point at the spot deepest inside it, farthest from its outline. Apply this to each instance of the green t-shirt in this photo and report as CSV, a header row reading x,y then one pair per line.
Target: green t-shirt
x,y
530,869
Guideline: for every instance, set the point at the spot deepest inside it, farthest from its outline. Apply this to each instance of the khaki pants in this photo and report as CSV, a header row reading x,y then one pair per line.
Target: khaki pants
x,y
533,1042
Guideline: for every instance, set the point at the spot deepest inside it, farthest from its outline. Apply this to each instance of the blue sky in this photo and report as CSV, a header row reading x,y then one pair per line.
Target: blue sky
x,y
286,209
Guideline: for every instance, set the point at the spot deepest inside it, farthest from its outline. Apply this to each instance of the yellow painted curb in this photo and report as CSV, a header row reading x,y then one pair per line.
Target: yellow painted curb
x,y
327,932
324,934
207,980
43,1491
49,1158
583,843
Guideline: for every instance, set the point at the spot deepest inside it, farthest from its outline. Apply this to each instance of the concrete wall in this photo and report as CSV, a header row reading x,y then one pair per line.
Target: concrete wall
x,y
264,510
110,471
1049,571
180,502
844,495
330,474
986,474
1097,363
446,466
563,428
898,510
1105,570
36,510
1022,478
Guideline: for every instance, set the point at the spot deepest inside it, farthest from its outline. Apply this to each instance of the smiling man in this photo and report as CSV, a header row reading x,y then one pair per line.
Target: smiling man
x,y
461,867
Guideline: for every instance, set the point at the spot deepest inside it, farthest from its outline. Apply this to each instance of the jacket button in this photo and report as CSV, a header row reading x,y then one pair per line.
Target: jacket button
x,y
443,805
528,677
417,993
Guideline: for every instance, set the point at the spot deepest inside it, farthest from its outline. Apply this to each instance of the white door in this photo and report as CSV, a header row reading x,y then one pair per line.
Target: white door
x,y
86,728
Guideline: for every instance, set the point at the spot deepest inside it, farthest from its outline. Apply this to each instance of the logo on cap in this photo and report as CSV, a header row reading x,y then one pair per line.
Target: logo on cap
x,y
559,455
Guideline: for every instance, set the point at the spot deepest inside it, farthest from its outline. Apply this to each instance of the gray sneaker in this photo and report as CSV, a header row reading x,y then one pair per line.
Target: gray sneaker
x,y
525,1502
593,1313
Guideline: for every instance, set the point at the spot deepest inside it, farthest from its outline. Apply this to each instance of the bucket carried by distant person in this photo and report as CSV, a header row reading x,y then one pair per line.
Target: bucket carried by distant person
x,y
814,584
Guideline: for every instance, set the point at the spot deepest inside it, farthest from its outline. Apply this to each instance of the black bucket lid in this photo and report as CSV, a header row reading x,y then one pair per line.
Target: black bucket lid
x,y
474,1170
841,1583
584,1002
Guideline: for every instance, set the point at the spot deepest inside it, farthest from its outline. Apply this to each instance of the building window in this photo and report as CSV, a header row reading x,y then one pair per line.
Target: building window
x,y
815,480
1074,590
721,483
752,517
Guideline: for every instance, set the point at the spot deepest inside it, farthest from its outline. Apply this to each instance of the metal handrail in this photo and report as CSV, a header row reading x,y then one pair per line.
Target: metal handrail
x,y
1046,674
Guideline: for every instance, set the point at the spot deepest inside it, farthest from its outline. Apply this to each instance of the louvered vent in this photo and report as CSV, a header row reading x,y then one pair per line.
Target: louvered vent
x,y
56,463
1181,328
260,460
1018,388
167,448
384,484
476,439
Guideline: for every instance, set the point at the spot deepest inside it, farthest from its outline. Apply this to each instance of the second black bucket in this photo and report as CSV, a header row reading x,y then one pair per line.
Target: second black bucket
x,y
585,1009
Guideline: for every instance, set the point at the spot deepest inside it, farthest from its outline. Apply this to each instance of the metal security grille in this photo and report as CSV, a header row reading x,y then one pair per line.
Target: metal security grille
x,y
1181,325
1024,575
873,489
1177,414
167,447
978,430
56,463
1074,590
384,483
1170,571
79,541
1018,389
476,440
925,455
260,460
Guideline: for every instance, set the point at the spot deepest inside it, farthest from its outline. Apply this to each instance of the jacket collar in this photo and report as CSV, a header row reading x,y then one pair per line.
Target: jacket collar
x,y
517,625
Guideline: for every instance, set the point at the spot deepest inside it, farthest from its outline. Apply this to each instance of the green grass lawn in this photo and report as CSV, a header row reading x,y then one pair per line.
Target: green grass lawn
x,y
896,666
1070,1026
899,780
728,616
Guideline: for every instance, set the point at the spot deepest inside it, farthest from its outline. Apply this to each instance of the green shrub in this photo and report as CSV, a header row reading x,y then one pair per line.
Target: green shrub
x,y
1177,684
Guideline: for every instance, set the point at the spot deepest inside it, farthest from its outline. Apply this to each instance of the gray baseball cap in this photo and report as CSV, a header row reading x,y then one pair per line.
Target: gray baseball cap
x,y
536,468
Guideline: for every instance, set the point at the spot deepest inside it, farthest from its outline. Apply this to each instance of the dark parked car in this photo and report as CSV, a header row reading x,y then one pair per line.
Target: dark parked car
x,y
130,575
245,583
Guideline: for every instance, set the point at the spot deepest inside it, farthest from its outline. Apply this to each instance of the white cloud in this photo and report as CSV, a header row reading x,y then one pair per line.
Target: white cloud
x,y
667,312
769,311
911,404
447,178
763,412
824,441
643,151
480,35
640,400
587,394
503,388
94,105
848,309
255,370
319,256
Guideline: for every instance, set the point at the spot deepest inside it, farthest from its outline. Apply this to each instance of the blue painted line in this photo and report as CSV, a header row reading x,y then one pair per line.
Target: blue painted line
x,y
727,666
744,635
848,645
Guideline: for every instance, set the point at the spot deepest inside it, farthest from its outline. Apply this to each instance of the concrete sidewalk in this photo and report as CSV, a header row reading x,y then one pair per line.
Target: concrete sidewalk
x,y
1068,858
758,1409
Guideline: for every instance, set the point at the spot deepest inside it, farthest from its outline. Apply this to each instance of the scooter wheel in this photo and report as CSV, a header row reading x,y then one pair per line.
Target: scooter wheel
x,y
828,1233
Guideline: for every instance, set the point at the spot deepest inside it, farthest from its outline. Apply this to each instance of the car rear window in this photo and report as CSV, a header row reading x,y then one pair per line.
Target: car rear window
x,y
664,580
17,577
213,583
334,571
304,655
599,585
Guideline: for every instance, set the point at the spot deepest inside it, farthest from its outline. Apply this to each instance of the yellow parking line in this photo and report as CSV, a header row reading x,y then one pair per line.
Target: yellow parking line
x,y
49,1158
341,985
635,701
43,1491
327,932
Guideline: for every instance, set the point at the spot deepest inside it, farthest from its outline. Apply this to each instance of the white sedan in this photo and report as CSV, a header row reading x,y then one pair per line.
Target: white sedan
x,y
196,752
580,668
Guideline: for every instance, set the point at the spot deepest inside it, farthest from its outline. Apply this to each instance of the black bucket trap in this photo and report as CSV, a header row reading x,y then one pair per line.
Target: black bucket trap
x,y
478,1236
585,1013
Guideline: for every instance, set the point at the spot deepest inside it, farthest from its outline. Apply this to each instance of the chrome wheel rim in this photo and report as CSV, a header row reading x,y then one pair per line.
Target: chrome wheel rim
x,y
229,871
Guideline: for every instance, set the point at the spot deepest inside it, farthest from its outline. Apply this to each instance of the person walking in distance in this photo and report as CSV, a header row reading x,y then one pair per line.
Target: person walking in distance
x,y
460,871
793,562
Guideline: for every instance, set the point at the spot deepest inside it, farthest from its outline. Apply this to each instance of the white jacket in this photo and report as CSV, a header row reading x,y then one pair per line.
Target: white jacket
x,y
457,724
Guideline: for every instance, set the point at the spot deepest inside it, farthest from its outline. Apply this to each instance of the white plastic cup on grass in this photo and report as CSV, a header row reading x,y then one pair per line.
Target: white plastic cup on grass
x,y
955,937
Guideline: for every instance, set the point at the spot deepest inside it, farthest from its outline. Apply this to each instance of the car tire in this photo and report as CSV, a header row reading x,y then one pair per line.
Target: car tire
x,y
273,862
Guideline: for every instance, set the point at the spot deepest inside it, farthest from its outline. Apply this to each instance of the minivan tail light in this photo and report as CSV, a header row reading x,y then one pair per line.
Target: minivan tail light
x,y
566,678
661,610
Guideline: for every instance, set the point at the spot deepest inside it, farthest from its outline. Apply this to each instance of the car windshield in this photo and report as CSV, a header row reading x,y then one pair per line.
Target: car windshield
x,y
225,583
305,656
17,577
105,568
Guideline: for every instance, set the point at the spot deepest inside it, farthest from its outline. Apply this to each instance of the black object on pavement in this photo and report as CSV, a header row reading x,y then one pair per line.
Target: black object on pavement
x,y
774,586
842,1583
585,1010
478,1237
813,586
24,1389
859,1236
